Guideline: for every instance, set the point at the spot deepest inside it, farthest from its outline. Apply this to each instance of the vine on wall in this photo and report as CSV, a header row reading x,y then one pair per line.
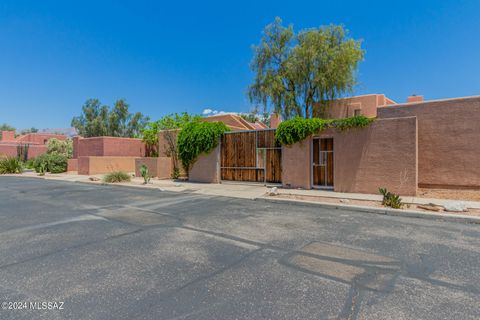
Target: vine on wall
x,y
298,129
196,138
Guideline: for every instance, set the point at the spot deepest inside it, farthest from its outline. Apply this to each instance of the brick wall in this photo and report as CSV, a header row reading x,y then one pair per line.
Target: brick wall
x,y
448,140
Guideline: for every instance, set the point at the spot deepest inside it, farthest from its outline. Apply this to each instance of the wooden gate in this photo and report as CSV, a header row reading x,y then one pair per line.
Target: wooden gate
x,y
252,156
322,162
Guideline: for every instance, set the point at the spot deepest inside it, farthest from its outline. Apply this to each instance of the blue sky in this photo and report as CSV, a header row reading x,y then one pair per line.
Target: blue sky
x,y
173,56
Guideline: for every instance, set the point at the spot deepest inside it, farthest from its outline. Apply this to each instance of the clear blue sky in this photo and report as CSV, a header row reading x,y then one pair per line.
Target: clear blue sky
x,y
169,56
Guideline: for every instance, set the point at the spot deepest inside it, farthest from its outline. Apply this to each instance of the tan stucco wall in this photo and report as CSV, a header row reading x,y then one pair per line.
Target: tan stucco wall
x,y
448,140
382,155
160,167
72,165
367,104
98,165
296,165
206,168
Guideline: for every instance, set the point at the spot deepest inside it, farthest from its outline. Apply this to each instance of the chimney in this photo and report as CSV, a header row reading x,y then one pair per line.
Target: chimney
x,y
275,120
8,136
414,98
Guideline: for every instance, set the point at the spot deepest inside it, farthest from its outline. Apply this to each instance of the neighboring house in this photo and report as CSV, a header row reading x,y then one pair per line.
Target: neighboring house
x,y
37,143
427,144
235,122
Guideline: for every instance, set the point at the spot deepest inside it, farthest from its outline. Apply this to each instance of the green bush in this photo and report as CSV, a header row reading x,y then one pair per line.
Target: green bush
x,y
29,164
57,146
11,165
116,176
298,129
196,138
390,199
53,163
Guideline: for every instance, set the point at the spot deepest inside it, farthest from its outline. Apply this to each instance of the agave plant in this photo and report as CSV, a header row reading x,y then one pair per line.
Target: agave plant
x,y
390,199
11,165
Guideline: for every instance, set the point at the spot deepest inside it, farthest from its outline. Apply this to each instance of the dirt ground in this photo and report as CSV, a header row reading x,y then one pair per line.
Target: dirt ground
x,y
370,203
469,195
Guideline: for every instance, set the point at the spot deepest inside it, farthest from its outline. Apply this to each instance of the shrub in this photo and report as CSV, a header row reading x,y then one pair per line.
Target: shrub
x,y
196,138
10,165
64,147
175,173
116,176
298,129
29,163
390,199
53,163
57,163
145,174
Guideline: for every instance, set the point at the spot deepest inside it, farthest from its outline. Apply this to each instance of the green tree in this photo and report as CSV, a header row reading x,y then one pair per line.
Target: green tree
x,y
300,74
99,120
169,124
31,130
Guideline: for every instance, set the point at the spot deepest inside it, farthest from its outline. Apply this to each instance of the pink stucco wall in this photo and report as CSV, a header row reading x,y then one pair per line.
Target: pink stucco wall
x,y
448,140
382,155
10,149
296,165
39,138
108,146
206,168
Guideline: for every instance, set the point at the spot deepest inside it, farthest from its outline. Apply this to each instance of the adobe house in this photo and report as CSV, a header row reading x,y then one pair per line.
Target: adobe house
x,y
37,143
429,144
414,144
235,122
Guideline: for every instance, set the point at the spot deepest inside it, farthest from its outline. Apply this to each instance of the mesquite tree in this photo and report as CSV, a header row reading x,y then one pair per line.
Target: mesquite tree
x,y
300,74
100,120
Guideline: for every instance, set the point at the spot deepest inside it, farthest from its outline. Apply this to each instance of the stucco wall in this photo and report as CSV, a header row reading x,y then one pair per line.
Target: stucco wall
x,y
448,140
99,165
8,136
109,146
72,165
296,165
382,155
367,104
10,149
206,168
39,138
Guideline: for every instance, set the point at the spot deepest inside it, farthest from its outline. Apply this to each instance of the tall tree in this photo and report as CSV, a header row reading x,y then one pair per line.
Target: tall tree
x,y
300,74
99,120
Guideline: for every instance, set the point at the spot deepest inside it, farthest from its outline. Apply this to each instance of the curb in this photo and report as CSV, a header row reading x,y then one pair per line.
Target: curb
x,y
383,211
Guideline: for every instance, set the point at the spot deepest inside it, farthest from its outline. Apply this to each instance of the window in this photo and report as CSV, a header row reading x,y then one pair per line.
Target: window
x,y
356,112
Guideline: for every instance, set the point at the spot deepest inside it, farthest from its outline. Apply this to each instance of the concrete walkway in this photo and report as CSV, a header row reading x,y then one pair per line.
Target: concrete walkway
x,y
243,190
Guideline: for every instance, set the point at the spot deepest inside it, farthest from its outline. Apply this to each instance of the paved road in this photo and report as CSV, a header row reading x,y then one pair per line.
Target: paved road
x,y
119,253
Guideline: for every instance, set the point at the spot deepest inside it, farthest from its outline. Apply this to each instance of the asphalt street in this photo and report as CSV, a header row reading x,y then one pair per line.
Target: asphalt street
x,y
110,252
